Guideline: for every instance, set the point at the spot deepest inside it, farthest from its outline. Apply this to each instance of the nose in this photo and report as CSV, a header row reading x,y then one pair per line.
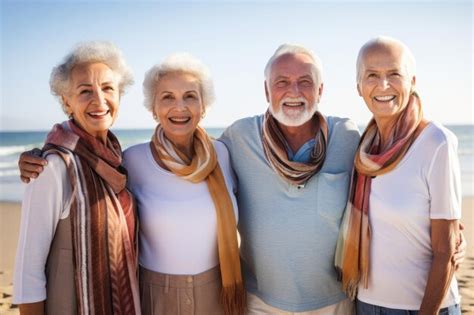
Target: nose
x,y
99,96
383,82
294,89
180,104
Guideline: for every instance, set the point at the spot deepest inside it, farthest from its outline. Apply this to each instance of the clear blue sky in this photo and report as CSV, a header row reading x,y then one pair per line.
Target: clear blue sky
x,y
235,39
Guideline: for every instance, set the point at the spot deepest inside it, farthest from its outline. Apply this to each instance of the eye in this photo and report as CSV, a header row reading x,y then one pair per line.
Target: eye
x,y
371,75
281,83
190,96
108,88
167,97
396,74
306,83
85,92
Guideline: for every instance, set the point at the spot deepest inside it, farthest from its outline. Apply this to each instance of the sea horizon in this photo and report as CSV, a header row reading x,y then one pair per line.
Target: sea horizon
x,y
13,143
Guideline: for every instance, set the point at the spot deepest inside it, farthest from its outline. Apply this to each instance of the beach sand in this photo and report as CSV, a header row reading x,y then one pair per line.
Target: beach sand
x,y
10,221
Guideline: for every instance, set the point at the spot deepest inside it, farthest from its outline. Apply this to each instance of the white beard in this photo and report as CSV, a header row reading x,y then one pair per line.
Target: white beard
x,y
297,119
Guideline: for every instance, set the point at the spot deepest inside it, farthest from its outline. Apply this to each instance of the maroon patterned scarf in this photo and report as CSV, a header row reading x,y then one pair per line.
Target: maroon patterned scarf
x,y
102,219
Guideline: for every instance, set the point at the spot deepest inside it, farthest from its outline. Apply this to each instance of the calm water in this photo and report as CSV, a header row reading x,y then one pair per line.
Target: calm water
x,y
13,143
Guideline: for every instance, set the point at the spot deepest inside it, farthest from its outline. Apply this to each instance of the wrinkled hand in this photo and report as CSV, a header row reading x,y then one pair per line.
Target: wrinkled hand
x,y
460,252
31,164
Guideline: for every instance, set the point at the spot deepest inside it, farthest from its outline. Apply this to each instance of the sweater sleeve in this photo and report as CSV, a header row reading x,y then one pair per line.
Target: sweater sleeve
x,y
45,202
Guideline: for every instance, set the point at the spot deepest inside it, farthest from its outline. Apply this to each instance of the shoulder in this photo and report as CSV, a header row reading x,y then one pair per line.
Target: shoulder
x,y
135,151
55,171
241,131
221,151
341,123
243,125
437,135
343,131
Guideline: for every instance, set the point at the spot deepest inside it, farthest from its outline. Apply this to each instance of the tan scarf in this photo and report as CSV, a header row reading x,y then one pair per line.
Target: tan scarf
x,y
204,166
275,147
353,245
103,221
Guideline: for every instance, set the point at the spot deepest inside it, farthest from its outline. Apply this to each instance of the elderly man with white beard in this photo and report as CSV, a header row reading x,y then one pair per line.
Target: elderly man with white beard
x,y
293,167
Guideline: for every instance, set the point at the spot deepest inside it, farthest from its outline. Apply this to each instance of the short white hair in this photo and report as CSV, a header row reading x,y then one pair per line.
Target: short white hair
x,y
86,53
386,42
180,63
292,49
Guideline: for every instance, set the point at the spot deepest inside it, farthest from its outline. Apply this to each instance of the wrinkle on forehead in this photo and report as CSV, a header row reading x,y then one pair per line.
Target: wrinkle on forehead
x,y
298,65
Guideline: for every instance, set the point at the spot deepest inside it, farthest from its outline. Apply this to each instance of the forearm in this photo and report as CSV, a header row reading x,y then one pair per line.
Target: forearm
x,y
36,308
444,236
439,279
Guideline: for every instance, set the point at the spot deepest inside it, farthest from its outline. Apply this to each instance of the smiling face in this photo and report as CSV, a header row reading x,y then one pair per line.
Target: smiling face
x,y
385,82
293,91
178,105
93,98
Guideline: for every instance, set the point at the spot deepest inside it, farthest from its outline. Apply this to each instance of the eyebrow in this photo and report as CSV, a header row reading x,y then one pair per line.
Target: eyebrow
x,y
299,78
377,70
170,92
90,84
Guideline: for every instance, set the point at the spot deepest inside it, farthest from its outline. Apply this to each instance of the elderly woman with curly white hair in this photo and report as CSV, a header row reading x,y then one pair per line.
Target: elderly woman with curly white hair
x,y
76,251
184,186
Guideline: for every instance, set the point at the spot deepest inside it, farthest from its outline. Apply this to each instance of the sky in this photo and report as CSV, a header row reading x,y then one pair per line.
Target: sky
x,y
235,39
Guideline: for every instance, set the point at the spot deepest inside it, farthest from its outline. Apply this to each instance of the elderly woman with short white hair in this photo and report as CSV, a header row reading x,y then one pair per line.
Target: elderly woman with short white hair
x,y
400,230
76,251
184,186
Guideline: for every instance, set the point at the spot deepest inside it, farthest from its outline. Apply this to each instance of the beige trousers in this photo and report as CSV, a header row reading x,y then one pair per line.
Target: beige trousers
x,y
255,306
164,294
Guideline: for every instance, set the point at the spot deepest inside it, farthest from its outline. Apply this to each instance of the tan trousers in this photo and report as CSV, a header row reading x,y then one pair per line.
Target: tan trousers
x,y
255,306
164,294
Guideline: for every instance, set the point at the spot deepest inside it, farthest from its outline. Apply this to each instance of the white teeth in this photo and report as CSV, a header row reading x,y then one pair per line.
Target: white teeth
x,y
293,101
385,98
103,113
293,104
179,119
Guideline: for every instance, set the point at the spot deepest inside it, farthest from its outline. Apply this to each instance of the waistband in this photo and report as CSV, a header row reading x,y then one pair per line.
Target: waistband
x,y
179,281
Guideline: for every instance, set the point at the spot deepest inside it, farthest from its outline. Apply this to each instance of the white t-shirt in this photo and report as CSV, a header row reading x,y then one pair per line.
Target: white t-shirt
x,y
47,200
178,226
425,185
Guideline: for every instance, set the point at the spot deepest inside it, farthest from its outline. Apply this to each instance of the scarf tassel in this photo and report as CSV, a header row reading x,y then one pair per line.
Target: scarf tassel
x,y
233,299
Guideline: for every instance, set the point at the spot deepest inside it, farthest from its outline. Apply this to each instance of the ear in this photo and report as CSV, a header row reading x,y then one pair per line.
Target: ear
x,y
320,90
267,93
413,81
66,105
358,90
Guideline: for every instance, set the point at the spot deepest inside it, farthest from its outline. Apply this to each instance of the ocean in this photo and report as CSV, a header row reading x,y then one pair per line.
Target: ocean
x,y
12,144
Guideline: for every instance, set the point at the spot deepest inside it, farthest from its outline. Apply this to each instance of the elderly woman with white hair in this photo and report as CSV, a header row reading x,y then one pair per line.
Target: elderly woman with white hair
x,y
77,246
184,186
400,229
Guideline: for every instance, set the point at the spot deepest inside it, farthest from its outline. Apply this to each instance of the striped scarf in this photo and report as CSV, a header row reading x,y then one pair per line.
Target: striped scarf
x,y
353,246
275,148
204,166
102,221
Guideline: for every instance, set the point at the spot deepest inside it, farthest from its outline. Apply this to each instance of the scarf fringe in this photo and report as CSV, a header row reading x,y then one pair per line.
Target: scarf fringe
x,y
350,288
234,299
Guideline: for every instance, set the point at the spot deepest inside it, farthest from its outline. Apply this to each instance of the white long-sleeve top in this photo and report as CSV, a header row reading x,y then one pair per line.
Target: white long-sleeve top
x,y
178,226
46,201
